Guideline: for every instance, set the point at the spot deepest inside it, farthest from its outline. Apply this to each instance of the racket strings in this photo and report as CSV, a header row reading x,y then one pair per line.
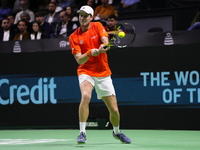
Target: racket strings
x,y
128,38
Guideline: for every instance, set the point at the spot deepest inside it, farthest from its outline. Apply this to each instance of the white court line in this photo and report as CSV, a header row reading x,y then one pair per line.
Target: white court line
x,y
29,141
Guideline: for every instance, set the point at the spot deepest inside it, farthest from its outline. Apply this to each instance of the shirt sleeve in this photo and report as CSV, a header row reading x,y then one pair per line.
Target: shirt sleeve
x,y
102,31
74,46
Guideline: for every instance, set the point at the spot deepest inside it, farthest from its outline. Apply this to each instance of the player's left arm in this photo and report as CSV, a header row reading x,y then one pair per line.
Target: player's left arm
x,y
104,41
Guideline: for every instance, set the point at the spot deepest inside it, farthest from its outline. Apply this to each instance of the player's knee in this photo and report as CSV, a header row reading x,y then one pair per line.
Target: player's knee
x,y
86,97
115,112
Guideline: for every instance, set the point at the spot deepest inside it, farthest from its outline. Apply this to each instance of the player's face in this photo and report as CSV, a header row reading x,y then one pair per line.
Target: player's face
x,y
85,19
112,22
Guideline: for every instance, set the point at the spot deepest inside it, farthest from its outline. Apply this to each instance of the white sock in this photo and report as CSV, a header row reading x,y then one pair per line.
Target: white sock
x,y
116,130
82,126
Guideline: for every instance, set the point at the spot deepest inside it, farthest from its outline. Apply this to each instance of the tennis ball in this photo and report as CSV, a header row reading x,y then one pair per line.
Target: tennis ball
x,y
121,34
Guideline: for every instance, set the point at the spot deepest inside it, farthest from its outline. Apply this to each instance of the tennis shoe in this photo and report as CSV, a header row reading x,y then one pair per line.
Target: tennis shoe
x,y
123,138
81,139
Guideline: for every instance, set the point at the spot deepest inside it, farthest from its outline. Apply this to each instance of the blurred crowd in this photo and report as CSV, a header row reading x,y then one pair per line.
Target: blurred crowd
x,y
38,19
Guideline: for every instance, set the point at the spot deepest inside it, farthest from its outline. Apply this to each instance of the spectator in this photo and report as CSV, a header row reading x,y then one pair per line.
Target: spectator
x,y
128,5
4,10
66,27
26,17
58,8
52,17
6,33
24,7
91,3
37,34
11,18
103,11
195,25
23,35
17,6
113,25
71,13
64,3
44,5
44,26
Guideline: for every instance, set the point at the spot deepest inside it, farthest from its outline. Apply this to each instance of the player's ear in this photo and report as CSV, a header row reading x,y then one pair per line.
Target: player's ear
x,y
91,18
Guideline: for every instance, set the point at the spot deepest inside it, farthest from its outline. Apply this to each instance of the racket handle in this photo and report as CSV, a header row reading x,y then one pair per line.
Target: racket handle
x,y
105,47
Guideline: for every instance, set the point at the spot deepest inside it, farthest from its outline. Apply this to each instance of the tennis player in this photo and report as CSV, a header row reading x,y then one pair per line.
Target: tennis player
x,y
87,44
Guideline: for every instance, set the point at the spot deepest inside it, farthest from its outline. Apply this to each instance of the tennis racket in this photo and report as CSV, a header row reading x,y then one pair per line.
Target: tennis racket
x,y
125,41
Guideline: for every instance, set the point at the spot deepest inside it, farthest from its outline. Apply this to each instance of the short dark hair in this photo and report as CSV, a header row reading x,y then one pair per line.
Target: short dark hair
x,y
5,18
11,14
23,21
39,14
52,3
112,16
56,1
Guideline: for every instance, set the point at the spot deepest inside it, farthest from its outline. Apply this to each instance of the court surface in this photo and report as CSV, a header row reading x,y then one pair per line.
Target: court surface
x,y
99,140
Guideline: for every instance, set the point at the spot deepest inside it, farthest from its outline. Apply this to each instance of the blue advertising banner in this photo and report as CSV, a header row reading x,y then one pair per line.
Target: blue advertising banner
x,y
150,89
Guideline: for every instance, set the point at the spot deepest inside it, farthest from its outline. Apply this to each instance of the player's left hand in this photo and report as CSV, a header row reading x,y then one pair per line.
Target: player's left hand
x,y
102,49
95,52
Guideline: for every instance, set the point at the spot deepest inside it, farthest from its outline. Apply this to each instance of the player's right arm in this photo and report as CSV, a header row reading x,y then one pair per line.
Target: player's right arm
x,y
76,51
81,58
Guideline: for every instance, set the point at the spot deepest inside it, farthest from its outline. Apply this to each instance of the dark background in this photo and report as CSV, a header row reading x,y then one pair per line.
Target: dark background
x,y
128,62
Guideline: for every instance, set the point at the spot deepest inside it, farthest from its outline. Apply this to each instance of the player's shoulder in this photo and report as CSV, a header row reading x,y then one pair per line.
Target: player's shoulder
x,y
75,33
96,24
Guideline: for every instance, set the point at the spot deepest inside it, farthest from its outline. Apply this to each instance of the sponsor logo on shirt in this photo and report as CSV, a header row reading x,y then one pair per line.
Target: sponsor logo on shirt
x,y
81,42
94,37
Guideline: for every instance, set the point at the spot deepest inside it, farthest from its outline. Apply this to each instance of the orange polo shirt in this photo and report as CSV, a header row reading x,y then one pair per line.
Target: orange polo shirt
x,y
82,42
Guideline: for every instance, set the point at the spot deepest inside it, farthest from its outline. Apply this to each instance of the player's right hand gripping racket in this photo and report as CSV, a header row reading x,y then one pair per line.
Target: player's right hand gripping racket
x,y
125,41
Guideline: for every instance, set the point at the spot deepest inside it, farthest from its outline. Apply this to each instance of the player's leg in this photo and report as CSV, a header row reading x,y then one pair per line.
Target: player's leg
x,y
111,103
86,92
86,88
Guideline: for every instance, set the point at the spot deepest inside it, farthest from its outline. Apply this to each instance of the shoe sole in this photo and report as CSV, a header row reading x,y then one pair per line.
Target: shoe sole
x,y
81,143
120,140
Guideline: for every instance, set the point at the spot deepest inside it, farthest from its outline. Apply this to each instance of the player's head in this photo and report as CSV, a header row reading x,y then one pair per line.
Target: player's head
x,y
87,9
85,15
112,21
